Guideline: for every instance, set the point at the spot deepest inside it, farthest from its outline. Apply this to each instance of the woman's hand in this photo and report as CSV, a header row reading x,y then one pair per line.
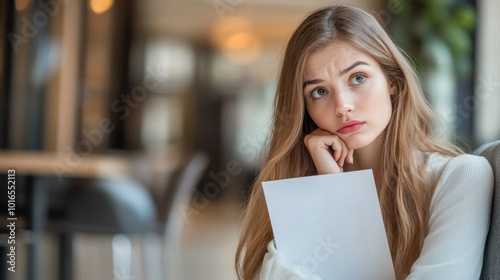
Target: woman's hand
x,y
320,144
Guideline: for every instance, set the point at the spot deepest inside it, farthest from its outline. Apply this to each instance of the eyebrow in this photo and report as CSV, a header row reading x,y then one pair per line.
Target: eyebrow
x,y
317,81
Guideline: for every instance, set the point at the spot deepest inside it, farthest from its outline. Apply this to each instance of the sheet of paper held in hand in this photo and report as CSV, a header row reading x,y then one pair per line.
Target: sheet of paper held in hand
x,y
331,225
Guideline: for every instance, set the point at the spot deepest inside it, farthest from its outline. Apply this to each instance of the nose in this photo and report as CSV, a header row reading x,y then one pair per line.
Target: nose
x,y
343,104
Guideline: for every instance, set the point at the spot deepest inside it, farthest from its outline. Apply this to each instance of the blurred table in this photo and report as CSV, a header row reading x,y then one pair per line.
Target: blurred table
x,y
95,165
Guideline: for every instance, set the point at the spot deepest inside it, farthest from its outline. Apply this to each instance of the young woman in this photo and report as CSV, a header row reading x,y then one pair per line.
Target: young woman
x,y
356,103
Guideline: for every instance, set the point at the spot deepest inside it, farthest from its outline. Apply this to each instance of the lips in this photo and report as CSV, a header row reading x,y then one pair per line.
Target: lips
x,y
349,126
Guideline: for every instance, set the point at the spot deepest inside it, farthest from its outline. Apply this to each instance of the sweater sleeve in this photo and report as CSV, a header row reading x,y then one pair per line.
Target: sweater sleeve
x,y
458,222
276,267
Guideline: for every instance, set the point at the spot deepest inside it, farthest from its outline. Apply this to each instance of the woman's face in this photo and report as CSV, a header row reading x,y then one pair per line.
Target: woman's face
x,y
347,94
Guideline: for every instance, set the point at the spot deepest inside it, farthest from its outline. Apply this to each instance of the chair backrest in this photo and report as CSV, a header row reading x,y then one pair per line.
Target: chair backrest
x,y
100,205
178,197
178,209
491,262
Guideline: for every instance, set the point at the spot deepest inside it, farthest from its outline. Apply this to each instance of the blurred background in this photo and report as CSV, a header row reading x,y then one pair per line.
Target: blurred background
x,y
135,127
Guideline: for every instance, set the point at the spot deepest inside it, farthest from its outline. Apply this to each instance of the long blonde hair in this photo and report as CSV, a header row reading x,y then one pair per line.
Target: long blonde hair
x,y
404,190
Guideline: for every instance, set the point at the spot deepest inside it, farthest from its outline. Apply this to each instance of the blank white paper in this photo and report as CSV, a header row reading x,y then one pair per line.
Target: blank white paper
x,y
331,225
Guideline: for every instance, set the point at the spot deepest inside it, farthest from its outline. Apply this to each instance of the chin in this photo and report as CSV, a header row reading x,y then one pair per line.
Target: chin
x,y
355,142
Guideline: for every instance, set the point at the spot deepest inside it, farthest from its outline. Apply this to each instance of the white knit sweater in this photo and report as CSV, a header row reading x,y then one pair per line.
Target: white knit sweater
x,y
458,224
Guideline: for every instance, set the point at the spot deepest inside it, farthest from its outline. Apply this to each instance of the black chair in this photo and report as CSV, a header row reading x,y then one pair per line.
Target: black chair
x,y
122,207
491,261
96,206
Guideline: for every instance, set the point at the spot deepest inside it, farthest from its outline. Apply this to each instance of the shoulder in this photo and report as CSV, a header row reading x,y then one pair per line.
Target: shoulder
x,y
467,165
464,175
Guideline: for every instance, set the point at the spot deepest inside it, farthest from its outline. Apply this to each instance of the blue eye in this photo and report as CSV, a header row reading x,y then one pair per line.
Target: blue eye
x,y
318,93
358,79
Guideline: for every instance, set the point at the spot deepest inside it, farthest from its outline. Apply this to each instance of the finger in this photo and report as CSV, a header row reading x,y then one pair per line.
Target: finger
x,y
324,147
351,156
345,152
336,145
